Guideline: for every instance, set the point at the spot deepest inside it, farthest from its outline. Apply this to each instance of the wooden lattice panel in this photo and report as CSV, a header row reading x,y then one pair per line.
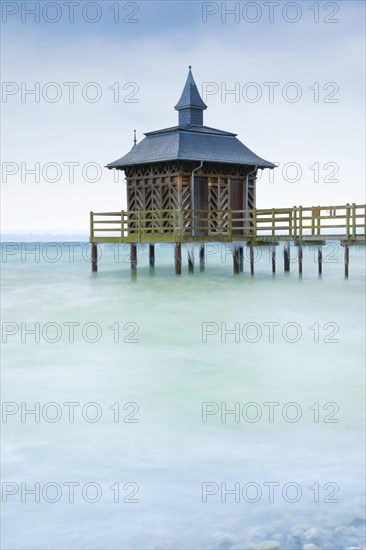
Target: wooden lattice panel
x,y
152,202
251,192
152,194
218,199
186,200
251,197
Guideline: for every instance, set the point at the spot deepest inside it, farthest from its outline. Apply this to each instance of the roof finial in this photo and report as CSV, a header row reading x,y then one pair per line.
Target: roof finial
x,y
134,138
189,67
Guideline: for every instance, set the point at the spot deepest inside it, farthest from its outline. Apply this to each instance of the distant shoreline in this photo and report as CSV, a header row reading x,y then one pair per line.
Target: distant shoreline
x,y
44,237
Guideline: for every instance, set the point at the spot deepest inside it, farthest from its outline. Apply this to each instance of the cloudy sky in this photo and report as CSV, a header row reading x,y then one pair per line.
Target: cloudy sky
x,y
98,70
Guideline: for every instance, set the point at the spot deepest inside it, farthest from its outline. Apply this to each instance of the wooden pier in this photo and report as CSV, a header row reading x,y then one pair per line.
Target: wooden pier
x,y
302,226
196,184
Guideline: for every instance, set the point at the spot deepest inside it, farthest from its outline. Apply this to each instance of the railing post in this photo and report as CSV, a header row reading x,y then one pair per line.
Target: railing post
x,y
354,220
175,223
273,224
139,224
300,223
254,222
319,220
91,219
230,225
295,221
181,224
347,220
290,223
246,222
94,250
122,225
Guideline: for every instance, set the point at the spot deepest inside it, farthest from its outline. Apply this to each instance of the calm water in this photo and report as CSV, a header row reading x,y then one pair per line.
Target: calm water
x,y
137,391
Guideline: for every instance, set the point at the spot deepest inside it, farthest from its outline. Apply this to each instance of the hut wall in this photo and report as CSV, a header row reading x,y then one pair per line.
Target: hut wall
x,y
167,186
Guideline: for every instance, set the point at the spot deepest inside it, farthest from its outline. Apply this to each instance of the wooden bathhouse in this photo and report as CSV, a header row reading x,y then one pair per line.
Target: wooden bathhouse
x,y
190,166
193,183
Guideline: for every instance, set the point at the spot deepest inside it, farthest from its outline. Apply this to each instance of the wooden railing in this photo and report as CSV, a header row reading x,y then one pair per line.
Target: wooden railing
x,y
298,223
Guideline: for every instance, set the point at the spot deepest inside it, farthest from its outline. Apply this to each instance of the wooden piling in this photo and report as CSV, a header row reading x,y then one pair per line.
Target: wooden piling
x,y
320,260
286,256
178,258
273,256
251,255
94,257
152,255
241,259
133,256
191,261
299,251
346,260
202,257
236,261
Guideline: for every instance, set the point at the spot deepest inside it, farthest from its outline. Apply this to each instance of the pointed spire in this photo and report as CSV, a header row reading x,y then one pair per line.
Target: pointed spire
x,y
190,105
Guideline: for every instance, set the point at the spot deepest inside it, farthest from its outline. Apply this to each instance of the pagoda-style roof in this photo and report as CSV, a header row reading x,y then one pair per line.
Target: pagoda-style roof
x,y
190,140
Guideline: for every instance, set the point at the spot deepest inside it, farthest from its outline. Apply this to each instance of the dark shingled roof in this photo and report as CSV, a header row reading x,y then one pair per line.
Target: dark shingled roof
x,y
190,96
190,141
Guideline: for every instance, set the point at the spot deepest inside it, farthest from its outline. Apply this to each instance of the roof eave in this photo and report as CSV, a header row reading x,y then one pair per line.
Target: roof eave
x,y
263,165
202,107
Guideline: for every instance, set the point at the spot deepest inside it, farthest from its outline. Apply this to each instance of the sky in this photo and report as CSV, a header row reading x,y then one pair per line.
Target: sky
x,y
287,77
